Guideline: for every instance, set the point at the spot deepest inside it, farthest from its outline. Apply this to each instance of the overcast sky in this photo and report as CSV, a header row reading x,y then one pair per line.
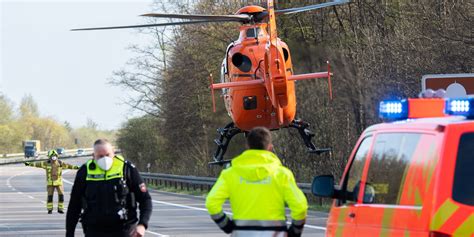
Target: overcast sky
x,y
67,72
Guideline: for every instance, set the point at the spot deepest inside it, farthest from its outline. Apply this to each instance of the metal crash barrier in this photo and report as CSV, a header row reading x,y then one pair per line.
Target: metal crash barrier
x,y
193,182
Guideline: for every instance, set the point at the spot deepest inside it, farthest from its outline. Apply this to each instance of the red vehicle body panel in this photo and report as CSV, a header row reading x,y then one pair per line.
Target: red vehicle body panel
x,y
425,204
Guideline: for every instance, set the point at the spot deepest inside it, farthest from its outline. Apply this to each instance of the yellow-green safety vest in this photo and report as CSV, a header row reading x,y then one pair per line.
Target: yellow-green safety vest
x,y
97,174
257,186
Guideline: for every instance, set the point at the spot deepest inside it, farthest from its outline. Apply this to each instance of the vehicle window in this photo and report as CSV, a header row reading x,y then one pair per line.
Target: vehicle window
x,y
357,166
463,189
252,32
389,164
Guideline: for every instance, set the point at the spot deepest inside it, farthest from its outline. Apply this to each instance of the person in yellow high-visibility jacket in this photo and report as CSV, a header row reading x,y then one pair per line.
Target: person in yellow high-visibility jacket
x,y
258,186
54,170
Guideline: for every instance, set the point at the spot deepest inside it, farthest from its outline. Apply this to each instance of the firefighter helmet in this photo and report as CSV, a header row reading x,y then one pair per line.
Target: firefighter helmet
x,y
52,153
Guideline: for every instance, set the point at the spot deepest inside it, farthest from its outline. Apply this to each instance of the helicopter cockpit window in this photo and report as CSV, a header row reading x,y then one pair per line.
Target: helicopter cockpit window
x,y
253,32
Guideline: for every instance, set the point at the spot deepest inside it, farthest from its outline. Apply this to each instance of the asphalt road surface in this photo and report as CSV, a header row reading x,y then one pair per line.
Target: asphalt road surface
x,y
23,208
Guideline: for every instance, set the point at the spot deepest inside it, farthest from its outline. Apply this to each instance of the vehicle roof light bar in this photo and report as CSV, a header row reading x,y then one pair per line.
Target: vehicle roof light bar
x,y
393,109
462,106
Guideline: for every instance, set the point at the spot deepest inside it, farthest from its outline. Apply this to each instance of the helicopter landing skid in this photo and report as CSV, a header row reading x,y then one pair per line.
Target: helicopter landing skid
x,y
307,135
222,142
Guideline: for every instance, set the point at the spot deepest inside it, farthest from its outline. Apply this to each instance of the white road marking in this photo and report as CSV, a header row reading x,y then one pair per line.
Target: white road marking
x,y
179,205
67,181
313,227
157,234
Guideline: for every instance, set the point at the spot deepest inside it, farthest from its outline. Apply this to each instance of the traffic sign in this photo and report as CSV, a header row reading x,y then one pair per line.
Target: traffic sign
x,y
456,85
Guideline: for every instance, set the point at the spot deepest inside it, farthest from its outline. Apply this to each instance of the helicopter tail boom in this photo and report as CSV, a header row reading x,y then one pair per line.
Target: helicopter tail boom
x,y
315,75
236,84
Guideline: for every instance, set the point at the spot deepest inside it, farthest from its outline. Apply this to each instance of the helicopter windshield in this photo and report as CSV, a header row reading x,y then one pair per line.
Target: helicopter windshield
x,y
252,32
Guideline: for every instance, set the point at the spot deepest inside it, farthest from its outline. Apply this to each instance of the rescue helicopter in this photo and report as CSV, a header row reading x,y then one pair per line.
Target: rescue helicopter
x,y
257,80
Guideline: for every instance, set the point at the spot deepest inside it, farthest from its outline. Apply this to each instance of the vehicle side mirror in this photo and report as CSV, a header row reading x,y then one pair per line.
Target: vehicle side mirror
x,y
323,186
369,194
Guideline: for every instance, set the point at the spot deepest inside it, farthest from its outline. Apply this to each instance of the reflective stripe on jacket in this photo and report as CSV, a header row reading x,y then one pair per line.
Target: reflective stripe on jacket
x,y
258,186
48,166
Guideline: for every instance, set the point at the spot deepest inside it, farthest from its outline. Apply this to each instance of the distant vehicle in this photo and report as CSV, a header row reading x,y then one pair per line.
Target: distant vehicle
x,y
80,152
409,177
61,151
31,148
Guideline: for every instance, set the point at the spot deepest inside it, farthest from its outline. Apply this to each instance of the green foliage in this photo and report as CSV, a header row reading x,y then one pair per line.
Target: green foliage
x,y
87,135
140,141
6,110
10,139
51,133
30,126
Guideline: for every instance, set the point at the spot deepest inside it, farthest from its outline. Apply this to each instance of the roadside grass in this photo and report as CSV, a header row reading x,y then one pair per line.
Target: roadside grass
x,y
192,192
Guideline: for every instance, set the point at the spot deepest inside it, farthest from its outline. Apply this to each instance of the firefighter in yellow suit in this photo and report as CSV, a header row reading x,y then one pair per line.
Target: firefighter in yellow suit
x,y
54,169
258,186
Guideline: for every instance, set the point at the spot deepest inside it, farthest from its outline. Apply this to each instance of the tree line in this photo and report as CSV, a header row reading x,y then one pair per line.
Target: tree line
x,y
378,50
25,123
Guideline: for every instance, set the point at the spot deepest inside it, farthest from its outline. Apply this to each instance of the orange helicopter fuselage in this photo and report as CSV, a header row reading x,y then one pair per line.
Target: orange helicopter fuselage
x,y
251,106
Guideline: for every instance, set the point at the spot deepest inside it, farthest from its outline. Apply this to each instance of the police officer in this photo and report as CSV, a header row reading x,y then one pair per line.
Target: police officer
x,y
258,186
54,170
107,189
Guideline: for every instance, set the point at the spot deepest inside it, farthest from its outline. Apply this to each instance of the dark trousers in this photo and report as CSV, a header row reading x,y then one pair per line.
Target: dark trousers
x,y
128,231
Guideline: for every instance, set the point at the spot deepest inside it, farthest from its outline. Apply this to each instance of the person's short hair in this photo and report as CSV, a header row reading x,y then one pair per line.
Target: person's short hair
x,y
259,138
101,141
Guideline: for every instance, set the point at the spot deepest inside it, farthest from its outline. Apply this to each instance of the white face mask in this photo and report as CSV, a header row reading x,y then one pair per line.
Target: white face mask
x,y
105,162
54,158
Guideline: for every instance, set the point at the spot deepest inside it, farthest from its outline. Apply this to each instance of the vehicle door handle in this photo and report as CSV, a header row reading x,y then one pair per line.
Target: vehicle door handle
x,y
352,215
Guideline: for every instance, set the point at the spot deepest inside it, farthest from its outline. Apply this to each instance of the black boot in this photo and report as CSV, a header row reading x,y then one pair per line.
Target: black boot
x,y
60,211
50,211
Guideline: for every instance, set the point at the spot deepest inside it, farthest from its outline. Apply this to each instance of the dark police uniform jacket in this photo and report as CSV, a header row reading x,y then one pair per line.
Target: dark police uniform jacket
x,y
98,197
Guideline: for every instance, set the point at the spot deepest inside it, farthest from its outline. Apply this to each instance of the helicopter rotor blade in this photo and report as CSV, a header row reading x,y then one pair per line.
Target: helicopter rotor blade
x,y
151,25
238,18
311,7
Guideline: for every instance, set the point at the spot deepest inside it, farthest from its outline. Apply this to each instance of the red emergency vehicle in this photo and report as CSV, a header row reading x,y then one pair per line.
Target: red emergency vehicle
x,y
412,176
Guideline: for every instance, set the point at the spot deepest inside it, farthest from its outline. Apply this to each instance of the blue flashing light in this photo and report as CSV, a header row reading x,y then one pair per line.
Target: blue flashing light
x,y
393,109
463,107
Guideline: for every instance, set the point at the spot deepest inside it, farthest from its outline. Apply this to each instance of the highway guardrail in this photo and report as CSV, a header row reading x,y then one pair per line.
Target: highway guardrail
x,y
69,151
193,182
20,160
